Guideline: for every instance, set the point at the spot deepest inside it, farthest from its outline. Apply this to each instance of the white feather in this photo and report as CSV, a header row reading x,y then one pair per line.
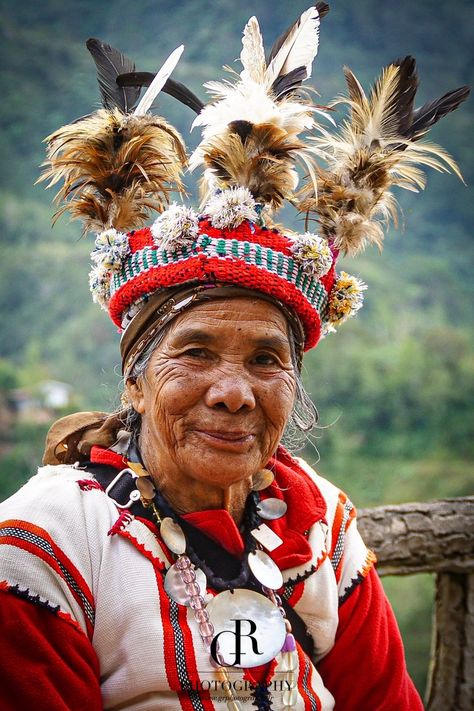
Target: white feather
x,y
249,101
158,82
299,49
252,55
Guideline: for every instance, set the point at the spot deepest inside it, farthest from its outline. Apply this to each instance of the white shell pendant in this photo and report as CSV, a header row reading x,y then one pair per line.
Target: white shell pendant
x,y
271,509
173,536
253,622
265,570
174,585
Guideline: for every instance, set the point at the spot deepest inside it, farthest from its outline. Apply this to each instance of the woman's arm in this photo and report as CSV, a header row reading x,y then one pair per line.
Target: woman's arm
x,y
46,663
366,667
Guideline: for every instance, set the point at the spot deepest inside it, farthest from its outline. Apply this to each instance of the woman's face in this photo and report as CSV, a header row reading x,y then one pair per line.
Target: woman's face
x,y
217,393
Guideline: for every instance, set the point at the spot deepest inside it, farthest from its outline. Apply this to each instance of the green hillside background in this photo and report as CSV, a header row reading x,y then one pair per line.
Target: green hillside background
x,y
395,386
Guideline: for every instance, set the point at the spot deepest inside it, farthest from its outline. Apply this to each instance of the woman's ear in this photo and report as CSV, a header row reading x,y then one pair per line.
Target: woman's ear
x,y
134,392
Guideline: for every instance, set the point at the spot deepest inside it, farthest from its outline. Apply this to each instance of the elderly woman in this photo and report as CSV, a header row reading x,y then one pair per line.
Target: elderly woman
x,y
175,555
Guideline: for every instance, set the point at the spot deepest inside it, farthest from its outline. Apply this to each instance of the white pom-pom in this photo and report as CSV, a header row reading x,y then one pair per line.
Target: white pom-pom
x,y
111,250
99,283
312,253
176,227
229,208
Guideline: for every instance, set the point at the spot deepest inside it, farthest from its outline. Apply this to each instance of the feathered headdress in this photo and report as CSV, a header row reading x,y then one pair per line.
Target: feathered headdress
x,y
121,162
376,148
251,131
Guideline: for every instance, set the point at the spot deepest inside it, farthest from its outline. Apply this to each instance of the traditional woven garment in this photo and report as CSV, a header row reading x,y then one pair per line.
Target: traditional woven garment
x,y
100,574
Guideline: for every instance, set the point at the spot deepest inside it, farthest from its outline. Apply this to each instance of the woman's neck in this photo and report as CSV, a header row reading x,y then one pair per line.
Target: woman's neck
x,y
186,494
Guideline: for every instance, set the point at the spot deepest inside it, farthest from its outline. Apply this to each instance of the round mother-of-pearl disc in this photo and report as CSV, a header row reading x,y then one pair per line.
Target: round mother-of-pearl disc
x,y
174,585
265,570
173,536
251,620
271,509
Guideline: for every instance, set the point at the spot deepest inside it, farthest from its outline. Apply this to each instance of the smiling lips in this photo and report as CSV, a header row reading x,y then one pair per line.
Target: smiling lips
x,y
225,439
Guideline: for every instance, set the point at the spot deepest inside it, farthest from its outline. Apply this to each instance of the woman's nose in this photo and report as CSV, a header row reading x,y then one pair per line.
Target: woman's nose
x,y
232,391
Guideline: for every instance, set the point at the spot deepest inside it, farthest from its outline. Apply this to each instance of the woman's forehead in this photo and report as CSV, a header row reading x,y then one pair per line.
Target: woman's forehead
x,y
252,315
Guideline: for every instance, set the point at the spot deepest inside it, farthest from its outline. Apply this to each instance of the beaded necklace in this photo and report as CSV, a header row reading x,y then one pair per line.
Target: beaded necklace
x,y
186,581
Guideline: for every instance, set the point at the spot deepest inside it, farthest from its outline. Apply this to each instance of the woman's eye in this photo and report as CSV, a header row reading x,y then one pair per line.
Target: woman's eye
x,y
195,352
265,359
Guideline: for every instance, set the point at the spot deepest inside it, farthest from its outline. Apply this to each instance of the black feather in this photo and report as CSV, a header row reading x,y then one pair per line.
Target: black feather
x,y
431,112
289,82
407,86
242,128
321,7
110,63
173,88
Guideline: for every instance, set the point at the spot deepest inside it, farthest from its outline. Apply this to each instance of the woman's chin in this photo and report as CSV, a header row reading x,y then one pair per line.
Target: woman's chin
x,y
223,468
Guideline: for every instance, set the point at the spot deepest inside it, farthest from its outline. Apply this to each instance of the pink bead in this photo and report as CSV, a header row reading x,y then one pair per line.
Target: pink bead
x,y
207,641
289,645
183,562
206,629
201,616
196,602
192,589
188,575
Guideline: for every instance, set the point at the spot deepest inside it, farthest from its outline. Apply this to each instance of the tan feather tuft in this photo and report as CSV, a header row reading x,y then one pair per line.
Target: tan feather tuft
x,y
364,160
263,162
115,168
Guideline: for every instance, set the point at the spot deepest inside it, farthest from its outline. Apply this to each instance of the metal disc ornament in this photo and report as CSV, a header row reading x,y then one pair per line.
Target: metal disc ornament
x,y
145,487
265,570
255,630
271,509
173,536
262,479
174,585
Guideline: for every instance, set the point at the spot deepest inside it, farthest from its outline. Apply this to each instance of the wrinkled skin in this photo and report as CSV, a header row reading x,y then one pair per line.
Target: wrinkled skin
x,y
215,400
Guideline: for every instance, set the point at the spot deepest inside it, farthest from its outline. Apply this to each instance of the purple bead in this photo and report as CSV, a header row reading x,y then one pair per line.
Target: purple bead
x,y
206,629
289,645
192,589
196,602
188,575
201,616
183,562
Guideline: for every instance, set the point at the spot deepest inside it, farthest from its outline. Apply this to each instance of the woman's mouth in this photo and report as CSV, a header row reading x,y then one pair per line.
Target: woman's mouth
x,y
231,440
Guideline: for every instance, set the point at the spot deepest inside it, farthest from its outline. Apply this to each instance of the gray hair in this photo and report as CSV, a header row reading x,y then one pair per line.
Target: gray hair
x,y
302,419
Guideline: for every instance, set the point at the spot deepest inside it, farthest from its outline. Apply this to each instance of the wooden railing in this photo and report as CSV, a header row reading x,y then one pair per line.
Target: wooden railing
x,y
435,537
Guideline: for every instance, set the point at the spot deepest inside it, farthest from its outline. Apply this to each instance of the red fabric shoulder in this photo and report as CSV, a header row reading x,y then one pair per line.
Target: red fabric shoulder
x,y
46,662
366,667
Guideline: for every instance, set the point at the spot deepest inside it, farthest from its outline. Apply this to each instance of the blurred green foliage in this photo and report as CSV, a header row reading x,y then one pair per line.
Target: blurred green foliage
x,y
395,386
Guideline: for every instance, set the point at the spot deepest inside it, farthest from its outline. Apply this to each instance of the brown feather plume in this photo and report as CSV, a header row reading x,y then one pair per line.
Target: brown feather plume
x,y
115,168
262,159
251,130
372,152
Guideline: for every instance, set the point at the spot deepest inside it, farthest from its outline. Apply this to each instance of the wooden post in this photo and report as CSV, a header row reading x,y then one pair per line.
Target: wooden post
x,y
436,537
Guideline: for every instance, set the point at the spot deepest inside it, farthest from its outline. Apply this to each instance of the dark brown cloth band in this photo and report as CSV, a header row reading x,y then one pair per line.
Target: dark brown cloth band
x,y
163,306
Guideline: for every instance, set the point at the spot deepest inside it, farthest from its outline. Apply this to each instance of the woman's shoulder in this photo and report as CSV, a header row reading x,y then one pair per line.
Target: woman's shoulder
x,y
331,493
60,511
56,492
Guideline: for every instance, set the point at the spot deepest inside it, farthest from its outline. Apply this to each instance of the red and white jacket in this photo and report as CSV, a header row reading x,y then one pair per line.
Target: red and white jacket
x,y
86,624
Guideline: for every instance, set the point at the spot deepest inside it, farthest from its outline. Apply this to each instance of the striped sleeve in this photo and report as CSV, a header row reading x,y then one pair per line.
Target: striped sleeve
x,y
47,551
